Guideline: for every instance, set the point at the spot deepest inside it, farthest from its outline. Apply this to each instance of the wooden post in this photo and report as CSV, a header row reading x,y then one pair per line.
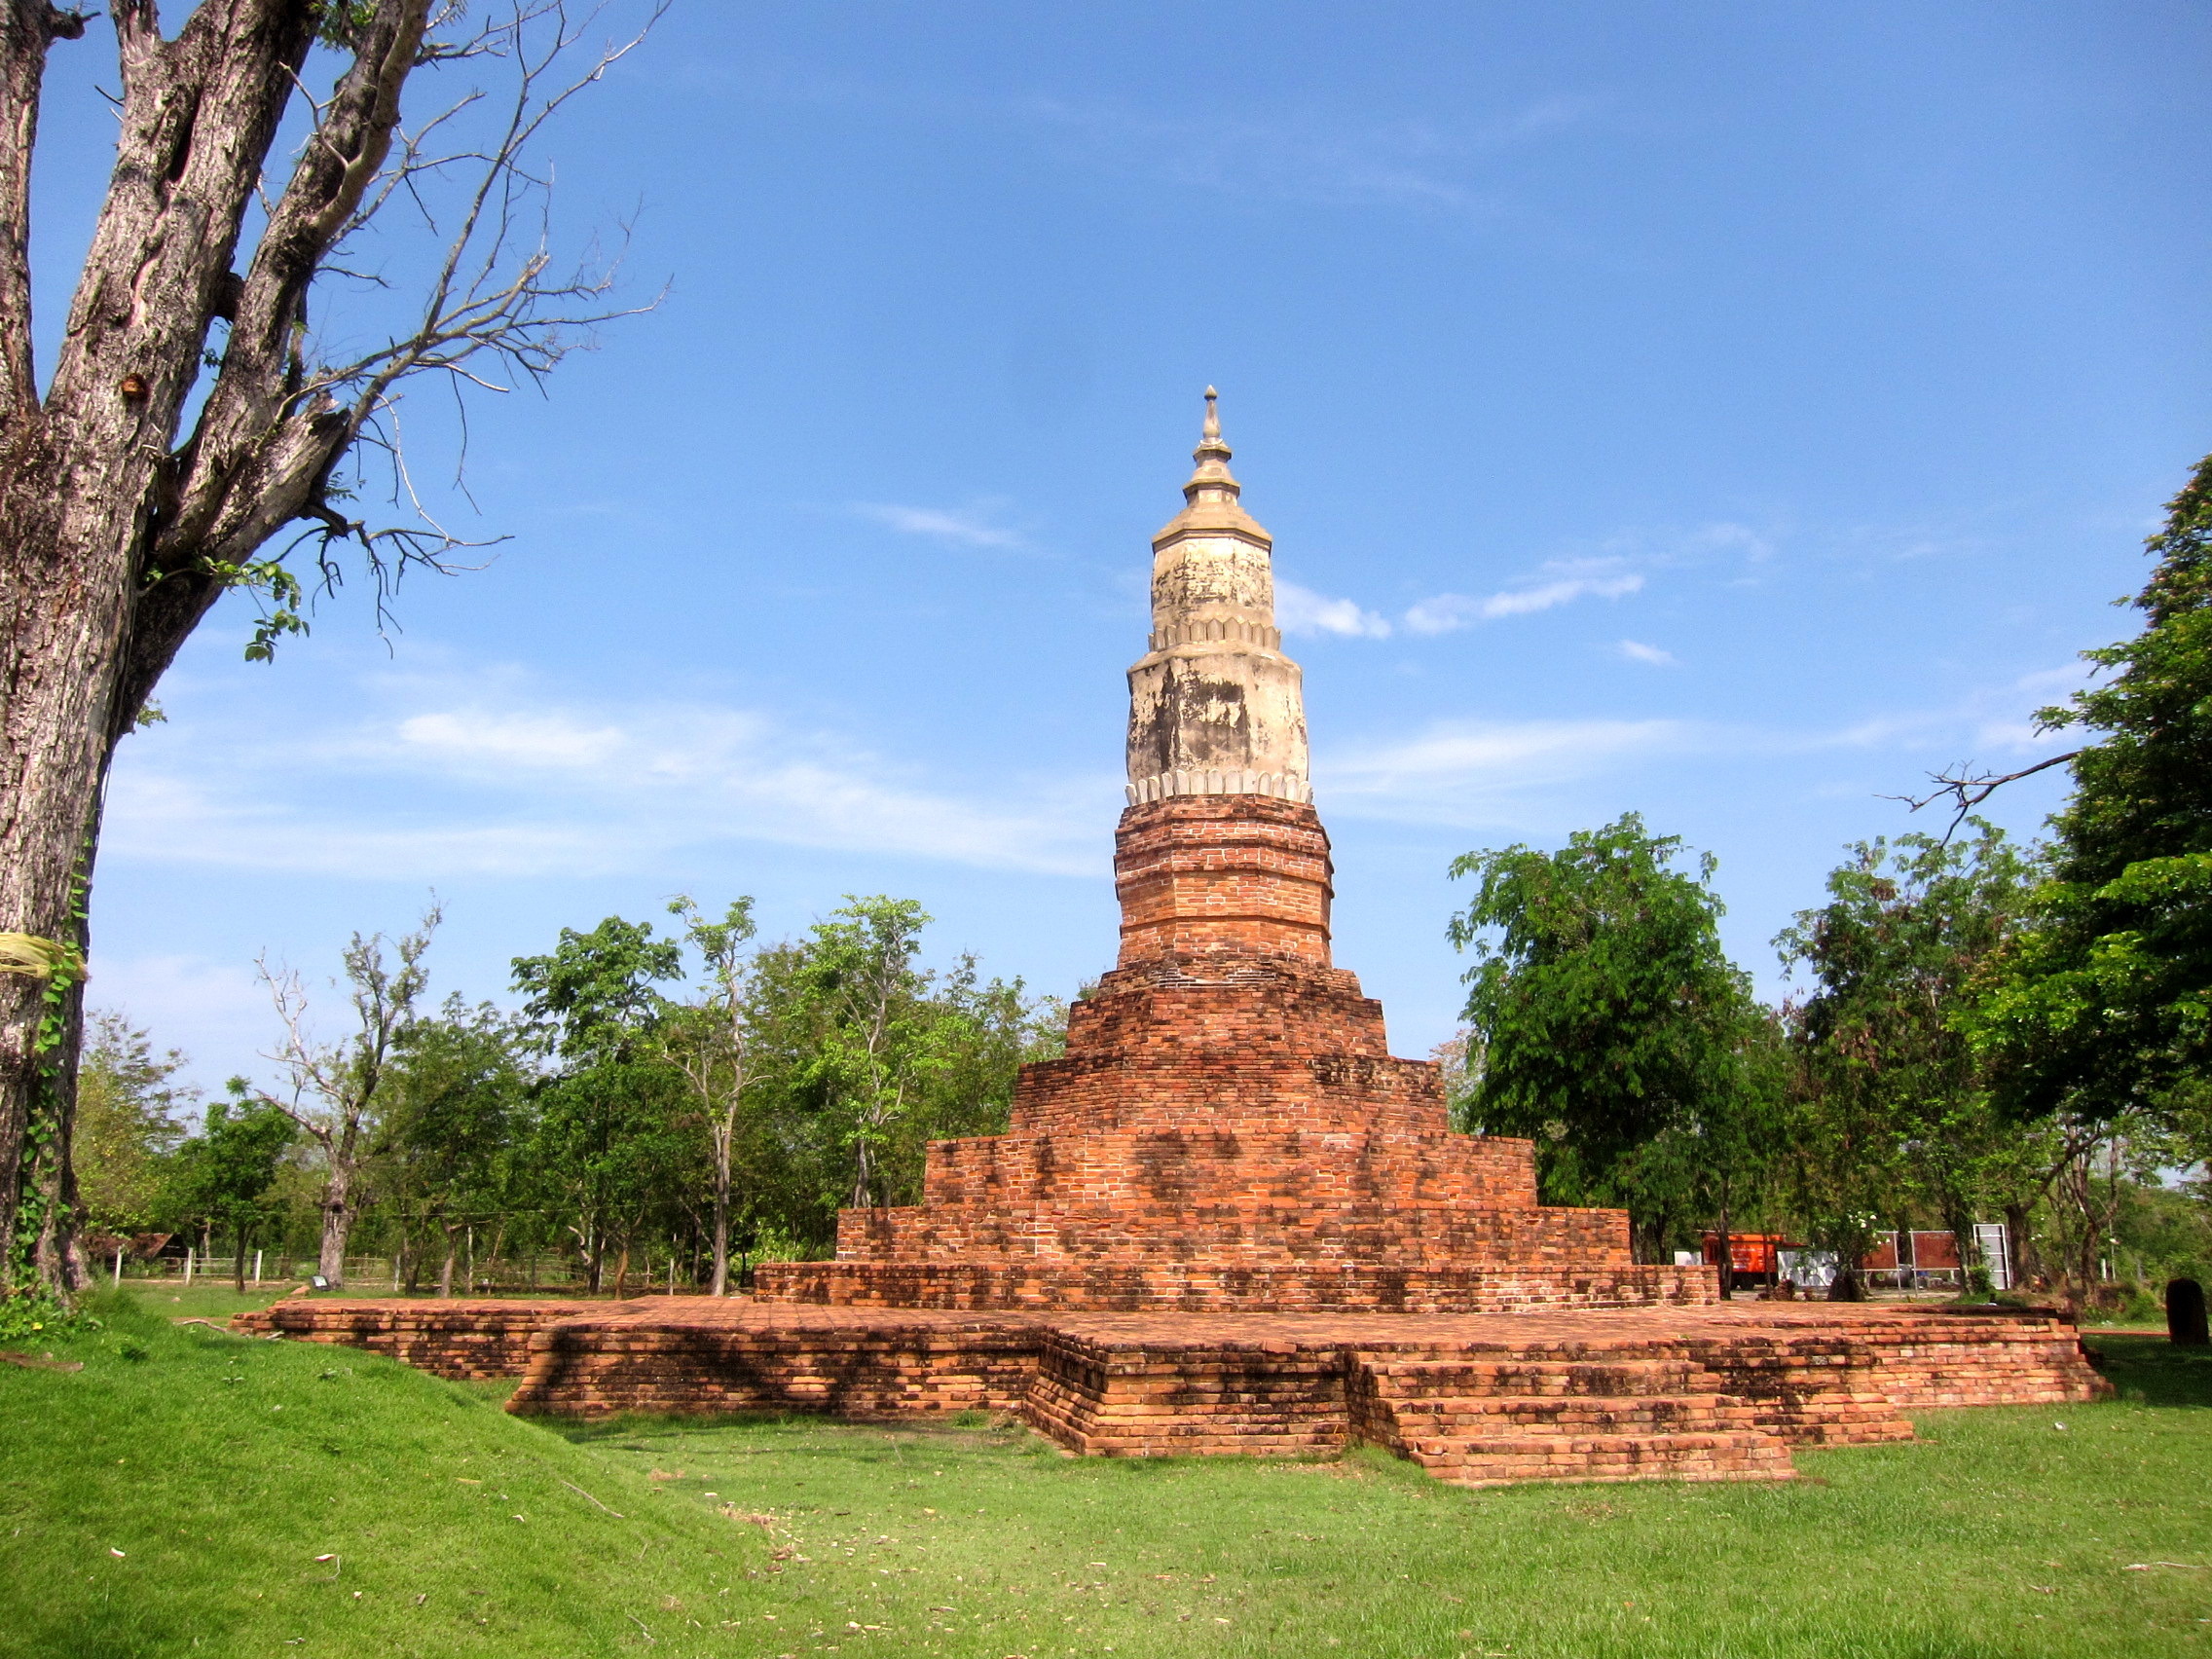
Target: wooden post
x,y
257,1267
119,1267
188,1264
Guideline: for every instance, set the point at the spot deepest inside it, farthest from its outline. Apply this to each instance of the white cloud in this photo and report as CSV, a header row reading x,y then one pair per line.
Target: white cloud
x,y
533,740
2021,736
1387,165
1991,716
462,778
1487,771
1288,154
1721,537
1586,579
1302,611
1636,651
966,526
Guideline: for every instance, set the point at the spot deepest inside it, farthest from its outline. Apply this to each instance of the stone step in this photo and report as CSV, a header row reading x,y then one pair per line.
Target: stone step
x,y
1570,1415
1504,1459
1414,1379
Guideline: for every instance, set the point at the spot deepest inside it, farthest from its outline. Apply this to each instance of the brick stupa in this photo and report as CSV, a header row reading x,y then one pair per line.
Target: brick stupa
x,y
1228,1130
1228,1221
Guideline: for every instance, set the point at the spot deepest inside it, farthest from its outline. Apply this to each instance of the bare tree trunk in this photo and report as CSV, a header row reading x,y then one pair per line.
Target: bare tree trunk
x,y
1727,1254
1965,1244
2023,1264
116,539
725,1133
863,1169
591,1250
445,1274
86,478
339,1209
58,1257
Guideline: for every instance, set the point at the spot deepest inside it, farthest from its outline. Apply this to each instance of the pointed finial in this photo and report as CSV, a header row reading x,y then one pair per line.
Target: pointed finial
x,y
1212,480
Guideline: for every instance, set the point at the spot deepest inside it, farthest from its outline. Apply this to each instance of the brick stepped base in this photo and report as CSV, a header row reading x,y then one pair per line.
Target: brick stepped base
x,y
1695,1393
1227,1132
1645,1410
1124,1286
1165,1386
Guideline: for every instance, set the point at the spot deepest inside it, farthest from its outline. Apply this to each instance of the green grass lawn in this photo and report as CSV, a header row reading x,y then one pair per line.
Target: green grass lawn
x,y
223,1469
202,1298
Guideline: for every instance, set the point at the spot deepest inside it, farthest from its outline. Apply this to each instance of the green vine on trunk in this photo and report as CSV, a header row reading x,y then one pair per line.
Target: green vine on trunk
x,y
29,1306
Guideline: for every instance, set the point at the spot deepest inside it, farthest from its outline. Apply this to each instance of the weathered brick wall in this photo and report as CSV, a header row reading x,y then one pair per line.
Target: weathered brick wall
x,y
1228,1091
1245,875
1210,1287
1695,1392
1200,1166
466,1341
733,1360
1243,1232
1105,1395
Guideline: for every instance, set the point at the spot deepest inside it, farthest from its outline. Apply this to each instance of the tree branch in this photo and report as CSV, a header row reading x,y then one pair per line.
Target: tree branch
x,y
28,28
1968,789
274,428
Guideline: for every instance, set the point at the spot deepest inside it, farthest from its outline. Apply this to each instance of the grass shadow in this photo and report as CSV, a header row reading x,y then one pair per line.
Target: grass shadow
x,y
966,1429
2151,1371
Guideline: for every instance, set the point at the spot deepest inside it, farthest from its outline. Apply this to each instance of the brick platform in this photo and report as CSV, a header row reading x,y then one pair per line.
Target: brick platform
x,y
1713,1393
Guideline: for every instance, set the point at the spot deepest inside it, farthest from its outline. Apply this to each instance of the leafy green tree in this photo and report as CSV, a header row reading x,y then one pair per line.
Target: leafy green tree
x,y
610,1147
878,1037
128,1126
2105,1004
1613,1028
459,1099
594,995
709,1041
993,1028
224,1173
1891,1103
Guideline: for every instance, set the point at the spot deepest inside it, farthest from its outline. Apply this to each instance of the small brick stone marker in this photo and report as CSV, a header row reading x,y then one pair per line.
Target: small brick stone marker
x,y
2185,1314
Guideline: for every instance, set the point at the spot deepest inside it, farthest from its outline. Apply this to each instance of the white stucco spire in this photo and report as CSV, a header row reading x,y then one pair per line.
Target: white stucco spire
x,y
1215,707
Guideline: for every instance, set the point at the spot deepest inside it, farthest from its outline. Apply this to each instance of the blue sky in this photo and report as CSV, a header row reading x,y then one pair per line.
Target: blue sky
x,y
1727,412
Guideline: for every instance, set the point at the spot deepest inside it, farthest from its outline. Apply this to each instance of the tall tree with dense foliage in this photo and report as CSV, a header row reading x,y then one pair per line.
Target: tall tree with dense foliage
x,y
222,359
2105,1004
460,1089
609,1136
223,1174
877,1035
1612,1026
130,1124
1891,1105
